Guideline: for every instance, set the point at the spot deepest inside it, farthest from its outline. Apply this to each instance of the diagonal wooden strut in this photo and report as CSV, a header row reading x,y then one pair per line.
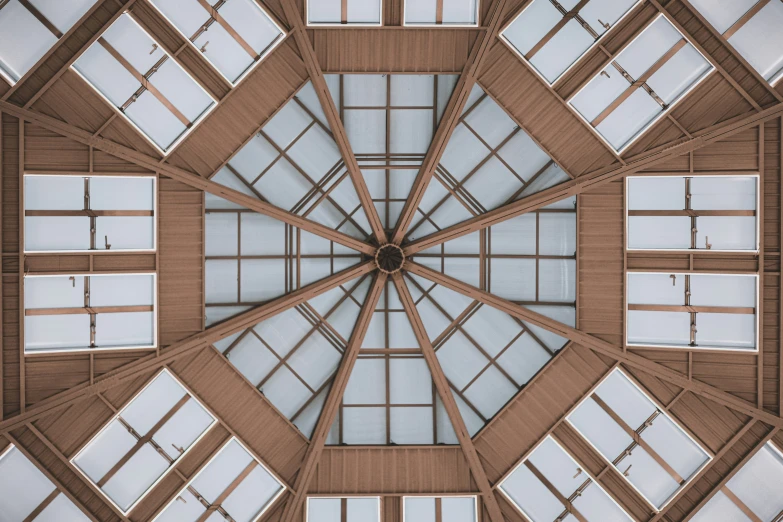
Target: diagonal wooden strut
x,y
182,175
596,344
192,344
332,404
333,117
444,390
448,122
591,180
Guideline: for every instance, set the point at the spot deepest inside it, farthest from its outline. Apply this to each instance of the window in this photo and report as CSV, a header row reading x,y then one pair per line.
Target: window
x,y
142,443
641,441
693,311
752,27
85,312
550,486
233,35
87,214
344,12
641,84
26,494
293,357
233,486
486,355
439,509
133,72
754,489
553,35
344,509
489,162
294,164
692,213
29,28
441,12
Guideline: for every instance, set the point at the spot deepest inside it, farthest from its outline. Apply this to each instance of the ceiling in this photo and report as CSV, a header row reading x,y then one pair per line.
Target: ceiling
x,y
545,260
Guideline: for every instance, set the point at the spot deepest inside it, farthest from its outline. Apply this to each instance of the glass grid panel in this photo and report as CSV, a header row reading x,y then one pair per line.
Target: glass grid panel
x,y
74,213
85,312
133,73
25,491
234,485
654,454
693,311
439,509
331,509
143,442
692,213
452,12
553,35
550,485
641,84
294,163
28,30
489,162
234,35
340,12
293,357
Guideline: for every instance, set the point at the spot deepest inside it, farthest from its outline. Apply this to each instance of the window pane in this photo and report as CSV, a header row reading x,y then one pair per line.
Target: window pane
x,y
23,40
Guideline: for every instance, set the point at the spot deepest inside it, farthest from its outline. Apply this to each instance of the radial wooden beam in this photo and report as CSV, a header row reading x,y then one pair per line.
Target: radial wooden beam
x,y
332,404
179,174
592,180
192,344
449,121
442,385
333,117
596,344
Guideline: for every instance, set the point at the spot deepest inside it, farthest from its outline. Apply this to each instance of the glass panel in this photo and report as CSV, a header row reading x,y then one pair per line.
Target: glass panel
x,y
659,328
723,13
22,485
624,123
23,40
565,48
756,483
760,41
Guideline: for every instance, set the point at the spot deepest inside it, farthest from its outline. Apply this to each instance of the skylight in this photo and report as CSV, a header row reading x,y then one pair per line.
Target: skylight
x,y
294,163
489,162
146,85
90,213
344,12
26,494
550,485
234,486
439,509
85,312
646,79
693,213
752,27
233,35
753,490
554,35
144,441
651,451
292,357
343,509
29,28
459,13
693,311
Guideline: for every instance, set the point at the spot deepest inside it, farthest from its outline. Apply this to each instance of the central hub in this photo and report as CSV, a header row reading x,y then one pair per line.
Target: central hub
x,y
389,259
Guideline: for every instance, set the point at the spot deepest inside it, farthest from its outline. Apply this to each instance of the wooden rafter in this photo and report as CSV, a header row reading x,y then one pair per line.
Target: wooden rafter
x,y
189,178
332,404
187,346
449,403
592,180
449,121
596,344
333,117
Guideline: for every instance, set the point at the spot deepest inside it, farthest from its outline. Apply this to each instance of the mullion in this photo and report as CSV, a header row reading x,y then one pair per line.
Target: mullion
x,y
42,506
745,18
565,501
742,506
567,16
214,14
216,506
40,17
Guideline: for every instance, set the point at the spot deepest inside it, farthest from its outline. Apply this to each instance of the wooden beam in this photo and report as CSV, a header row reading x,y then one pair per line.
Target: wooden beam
x,y
298,29
332,404
449,403
449,121
179,174
594,343
192,344
594,179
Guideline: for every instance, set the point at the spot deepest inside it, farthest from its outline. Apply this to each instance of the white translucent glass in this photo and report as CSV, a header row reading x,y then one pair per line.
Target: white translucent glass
x,y
533,23
661,232
726,330
324,11
723,13
723,290
760,41
61,509
47,233
23,487
657,193
659,328
756,483
364,425
367,384
562,50
648,47
523,359
656,289
420,11
155,119
364,11
727,232
63,15
600,12
125,329
23,40
411,425
490,392
460,12
601,91
630,118
723,193
676,76
53,193
720,509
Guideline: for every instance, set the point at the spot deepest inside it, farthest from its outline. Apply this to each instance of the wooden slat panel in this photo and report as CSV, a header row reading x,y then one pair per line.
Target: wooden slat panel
x,y
390,470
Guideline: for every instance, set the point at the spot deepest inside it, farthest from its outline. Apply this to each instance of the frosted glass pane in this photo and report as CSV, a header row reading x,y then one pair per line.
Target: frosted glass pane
x,y
364,11
652,480
665,328
363,509
56,233
107,75
720,509
459,12
364,425
411,131
420,11
601,91
653,232
110,193
410,381
53,192
723,290
183,428
595,504
722,13
726,330
155,120
648,47
324,510
122,290
599,12
657,193
557,280
532,25
757,483
626,400
133,43
674,446
565,47
105,450
723,193
557,234
187,15
367,384
490,122
124,233
125,329
181,90
531,495
656,289
600,429
135,477
727,233
23,40
251,22
557,466
624,123
760,41
323,11
458,509
22,486
63,15
678,74
61,510
411,425
220,48
157,398
43,332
